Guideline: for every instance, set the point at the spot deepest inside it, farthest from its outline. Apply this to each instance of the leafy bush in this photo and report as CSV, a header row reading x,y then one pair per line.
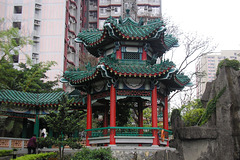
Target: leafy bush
x,y
96,154
235,64
5,152
192,117
40,156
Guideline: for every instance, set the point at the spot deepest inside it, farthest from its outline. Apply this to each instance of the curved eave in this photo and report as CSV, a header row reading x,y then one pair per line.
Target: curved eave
x,y
19,98
34,100
80,77
109,69
113,31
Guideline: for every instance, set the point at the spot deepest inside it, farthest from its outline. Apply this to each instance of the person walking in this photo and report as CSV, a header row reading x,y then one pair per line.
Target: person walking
x,y
32,145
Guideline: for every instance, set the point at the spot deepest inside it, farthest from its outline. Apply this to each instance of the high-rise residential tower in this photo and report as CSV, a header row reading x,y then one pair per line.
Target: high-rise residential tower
x,y
206,67
95,12
52,25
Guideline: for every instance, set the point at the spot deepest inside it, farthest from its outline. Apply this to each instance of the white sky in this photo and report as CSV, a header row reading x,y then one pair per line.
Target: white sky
x,y
218,19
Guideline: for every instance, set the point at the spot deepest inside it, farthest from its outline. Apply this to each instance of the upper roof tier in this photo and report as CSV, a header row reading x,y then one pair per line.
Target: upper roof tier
x,y
128,30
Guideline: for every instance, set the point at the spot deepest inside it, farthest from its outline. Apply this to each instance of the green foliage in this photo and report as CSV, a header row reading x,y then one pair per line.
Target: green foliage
x,y
122,114
29,77
11,41
192,112
40,156
211,107
64,123
147,114
5,152
32,77
235,64
96,154
13,126
192,117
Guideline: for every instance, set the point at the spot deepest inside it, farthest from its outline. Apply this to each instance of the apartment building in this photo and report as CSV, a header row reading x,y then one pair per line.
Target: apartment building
x,y
95,12
52,25
206,67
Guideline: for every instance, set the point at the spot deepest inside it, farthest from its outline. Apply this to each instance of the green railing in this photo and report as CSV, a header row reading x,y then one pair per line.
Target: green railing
x,y
126,131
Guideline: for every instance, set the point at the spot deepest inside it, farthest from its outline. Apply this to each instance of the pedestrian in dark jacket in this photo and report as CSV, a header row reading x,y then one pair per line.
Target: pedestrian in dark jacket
x,y
32,145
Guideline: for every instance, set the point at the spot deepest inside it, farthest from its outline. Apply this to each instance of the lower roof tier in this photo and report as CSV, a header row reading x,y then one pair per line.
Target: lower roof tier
x,y
110,68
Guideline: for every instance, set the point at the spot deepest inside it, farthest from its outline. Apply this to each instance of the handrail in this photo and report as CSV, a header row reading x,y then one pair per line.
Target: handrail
x,y
157,128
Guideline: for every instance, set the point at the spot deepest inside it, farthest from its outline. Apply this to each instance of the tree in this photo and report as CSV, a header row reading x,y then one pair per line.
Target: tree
x,y
192,112
64,123
192,47
11,41
30,76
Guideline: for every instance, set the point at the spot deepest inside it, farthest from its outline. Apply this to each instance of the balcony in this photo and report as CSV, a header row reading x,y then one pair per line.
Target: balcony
x,y
38,6
105,3
37,22
116,2
93,7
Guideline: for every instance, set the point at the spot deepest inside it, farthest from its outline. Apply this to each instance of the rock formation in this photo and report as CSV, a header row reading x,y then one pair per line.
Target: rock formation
x,y
219,138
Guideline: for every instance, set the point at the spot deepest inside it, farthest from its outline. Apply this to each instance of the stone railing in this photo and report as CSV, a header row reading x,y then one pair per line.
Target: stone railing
x,y
7,142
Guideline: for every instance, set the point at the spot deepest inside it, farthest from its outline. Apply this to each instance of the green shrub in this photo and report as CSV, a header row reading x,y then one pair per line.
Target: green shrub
x,y
96,154
40,156
235,64
192,117
5,152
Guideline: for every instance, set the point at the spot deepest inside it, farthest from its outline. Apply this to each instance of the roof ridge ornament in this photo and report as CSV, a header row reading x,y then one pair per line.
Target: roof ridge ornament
x,y
127,12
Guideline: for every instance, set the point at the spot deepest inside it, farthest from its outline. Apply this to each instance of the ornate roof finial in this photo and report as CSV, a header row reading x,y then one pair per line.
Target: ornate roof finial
x,y
127,11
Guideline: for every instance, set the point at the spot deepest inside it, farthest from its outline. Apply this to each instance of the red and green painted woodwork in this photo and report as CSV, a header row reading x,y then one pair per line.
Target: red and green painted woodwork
x,y
127,67
89,118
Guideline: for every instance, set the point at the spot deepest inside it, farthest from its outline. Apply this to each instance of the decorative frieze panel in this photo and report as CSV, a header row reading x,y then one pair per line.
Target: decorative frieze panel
x,y
100,95
133,93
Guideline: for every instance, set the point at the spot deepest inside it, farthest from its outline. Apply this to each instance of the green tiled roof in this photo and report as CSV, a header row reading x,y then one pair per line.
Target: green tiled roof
x,y
127,29
129,69
32,99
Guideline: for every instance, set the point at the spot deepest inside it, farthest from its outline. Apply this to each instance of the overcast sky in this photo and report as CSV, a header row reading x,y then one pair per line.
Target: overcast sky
x,y
219,19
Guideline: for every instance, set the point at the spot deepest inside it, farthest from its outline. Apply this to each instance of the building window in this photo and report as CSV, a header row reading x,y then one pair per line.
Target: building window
x,y
103,10
93,25
15,58
17,25
17,9
93,15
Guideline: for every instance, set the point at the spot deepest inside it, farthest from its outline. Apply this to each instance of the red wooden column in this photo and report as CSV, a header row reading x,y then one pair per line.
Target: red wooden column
x,y
165,115
89,118
140,119
154,116
112,114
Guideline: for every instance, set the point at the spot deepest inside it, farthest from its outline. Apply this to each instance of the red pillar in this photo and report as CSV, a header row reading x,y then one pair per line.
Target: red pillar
x,y
119,53
165,115
144,55
112,114
140,119
154,115
89,118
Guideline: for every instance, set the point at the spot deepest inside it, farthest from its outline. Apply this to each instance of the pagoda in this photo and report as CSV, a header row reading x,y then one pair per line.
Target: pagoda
x,y
131,68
